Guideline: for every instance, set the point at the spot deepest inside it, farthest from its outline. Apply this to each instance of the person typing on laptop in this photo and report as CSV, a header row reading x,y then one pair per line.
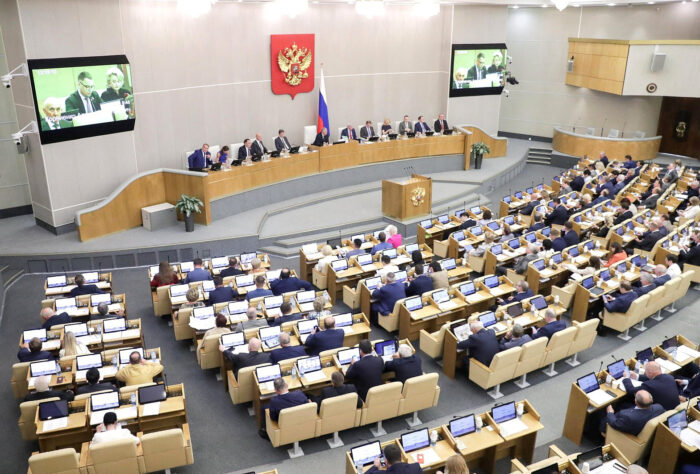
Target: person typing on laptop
x,y
366,372
482,345
199,273
287,283
109,430
138,370
82,289
662,387
551,326
394,465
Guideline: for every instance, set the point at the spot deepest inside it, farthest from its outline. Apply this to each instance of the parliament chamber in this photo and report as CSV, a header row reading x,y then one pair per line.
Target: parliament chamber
x,y
410,236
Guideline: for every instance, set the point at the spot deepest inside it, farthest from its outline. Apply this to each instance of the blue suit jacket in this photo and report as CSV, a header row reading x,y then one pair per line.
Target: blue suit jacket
x,y
505,344
519,296
399,468
56,319
621,303
222,294
405,367
320,139
286,318
662,388
198,160
421,127
85,290
558,216
25,355
284,285
550,328
559,244
577,183
643,290
629,164
258,293
287,400
529,207
381,246
289,352
571,238
617,187
324,340
536,226
419,286
482,346
243,154
658,281
366,373
351,135
386,296
198,274
632,420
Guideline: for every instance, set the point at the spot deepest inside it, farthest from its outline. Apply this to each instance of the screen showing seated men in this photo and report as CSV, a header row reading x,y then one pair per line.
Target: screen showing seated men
x,y
477,69
82,97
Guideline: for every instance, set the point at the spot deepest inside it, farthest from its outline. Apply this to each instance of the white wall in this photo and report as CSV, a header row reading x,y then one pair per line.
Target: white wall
x,y
538,40
677,78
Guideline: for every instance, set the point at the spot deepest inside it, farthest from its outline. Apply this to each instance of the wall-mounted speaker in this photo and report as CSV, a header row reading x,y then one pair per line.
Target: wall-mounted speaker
x,y
657,61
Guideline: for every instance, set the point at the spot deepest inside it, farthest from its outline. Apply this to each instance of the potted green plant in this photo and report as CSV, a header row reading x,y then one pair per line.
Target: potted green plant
x,y
188,206
479,149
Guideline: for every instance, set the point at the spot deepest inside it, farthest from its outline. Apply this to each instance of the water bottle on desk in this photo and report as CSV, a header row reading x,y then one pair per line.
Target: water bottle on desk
x,y
133,398
114,360
153,355
433,438
294,372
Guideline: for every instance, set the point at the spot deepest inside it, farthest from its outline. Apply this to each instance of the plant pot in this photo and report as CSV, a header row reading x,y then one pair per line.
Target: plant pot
x,y
477,161
189,223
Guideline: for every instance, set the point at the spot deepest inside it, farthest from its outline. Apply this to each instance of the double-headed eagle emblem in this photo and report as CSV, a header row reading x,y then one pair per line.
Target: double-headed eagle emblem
x,y
294,62
417,196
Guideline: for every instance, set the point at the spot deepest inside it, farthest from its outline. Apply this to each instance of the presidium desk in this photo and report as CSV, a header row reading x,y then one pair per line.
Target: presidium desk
x,y
121,210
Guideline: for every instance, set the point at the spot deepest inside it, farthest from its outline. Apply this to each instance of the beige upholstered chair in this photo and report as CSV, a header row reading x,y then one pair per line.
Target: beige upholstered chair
x,y
476,263
391,323
419,393
121,456
655,304
382,403
181,325
329,352
351,296
320,280
162,305
501,370
622,322
208,354
565,293
337,414
85,396
584,339
19,379
294,424
242,389
128,389
531,359
431,343
167,449
61,461
27,418
558,348
635,447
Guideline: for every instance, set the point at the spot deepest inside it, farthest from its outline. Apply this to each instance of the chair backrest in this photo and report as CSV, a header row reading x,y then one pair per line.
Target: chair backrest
x,y
127,389
164,450
210,344
585,335
19,379
246,385
163,305
330,352
419,392
309,134
185,155
114,456
85,396
382,402
297,423
27,417
338,413
505,359
559,344
531,356
61,461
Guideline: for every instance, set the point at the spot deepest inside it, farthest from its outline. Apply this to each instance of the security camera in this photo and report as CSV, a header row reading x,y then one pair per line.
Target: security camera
x,y
506,92
6,81
510,59
512,80
17,138
20,70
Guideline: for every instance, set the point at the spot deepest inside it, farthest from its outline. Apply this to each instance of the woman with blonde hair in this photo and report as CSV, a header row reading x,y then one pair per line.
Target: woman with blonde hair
x,y
393,236
192,297
455,465
386,127
319,312
489,239
71,346
327,252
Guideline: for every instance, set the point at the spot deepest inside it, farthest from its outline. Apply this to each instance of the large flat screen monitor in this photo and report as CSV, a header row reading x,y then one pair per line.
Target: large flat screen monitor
x,y
477,69
82,97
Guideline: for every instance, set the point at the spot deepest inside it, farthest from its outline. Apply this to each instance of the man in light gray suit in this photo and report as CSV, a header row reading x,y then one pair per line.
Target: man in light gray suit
x,y
368,130
406,126
253,321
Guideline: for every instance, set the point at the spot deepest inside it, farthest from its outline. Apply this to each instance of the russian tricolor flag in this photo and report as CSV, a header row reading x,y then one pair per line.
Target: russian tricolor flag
x,y
322,108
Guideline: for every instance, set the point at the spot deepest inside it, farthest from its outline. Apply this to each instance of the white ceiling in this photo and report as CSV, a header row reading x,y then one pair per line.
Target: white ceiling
x,y
520,3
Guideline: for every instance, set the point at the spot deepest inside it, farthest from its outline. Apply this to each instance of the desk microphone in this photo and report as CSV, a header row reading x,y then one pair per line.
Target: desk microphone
x,y
165,382
622,132
603,127
600,368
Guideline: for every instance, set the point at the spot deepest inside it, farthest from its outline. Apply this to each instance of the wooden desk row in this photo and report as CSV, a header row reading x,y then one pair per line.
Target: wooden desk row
x,y
61,285
82,307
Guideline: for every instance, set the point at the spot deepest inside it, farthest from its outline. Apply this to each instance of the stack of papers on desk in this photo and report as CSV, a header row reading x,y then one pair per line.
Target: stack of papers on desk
x,y
348,329
599,397
89,339
510,427
684,353
609,468
695,425
667,365
447,305
306,307
315,376
102,285
272,312
368,268
55,424
429,456
688,436
151,409
201,324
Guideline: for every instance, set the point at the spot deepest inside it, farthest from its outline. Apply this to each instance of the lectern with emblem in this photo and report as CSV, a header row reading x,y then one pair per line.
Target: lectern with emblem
x,y
406,198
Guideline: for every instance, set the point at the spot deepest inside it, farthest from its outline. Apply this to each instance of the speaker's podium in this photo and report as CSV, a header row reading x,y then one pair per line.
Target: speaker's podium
x,y
406,198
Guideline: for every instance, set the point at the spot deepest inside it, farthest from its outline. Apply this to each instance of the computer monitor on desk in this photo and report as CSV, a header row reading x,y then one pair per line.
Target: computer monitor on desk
x,y
462,426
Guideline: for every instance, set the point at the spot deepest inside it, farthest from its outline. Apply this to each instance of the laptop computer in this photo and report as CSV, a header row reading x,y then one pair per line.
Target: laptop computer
x,y
308,365
514,310
505,416
415,440
237,307
448,131
151,394
400,276
429,134
203,312
293,150
366,453
274,154
461,330
593,457
53,409
414,303
219,262
88,361
178,290
462,426
645,355
339,265
248,257
244,280
448,264
56,281
391,253
104,401
373,283
491,281
392,136
677,421
30,334
443,219
410,134
552,468
78,329
100,298
347,355
45,367
232,339
538,302
467,288
305,327
91,277
270,336
426,224
216,166
617,369
125,354
386,349
268,373
113,325
65,304
186,267
343,320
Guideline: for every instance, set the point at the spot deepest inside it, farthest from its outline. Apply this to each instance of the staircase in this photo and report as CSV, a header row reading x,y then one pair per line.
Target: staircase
x,y
539,156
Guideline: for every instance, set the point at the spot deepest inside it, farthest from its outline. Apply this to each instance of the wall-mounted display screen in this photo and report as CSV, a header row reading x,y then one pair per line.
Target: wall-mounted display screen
x,y
82,97
477,69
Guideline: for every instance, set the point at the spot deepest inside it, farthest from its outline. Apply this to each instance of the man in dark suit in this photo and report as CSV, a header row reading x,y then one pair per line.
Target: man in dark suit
x,y
633,420
624,213
646,285
577,183
558,242
287,283
689,387
629,163
691,254
559,214
482,345
604,159
622,302
604,196
52,108
648,239
84,100
650,202
260,290
421,282
385,297
660,275
200,159
338,387
368,130
395,465
514,338
232,270
42,391
349,133
329,338
199,273
245,151
31,351
257,146
570,235
93,383
421,126
440,124
282,142
287,315
619,184
50,318
322,138
662,387
530,206
466,221
249,359
605,183
286,351
356,249
522,291
221,293
404,364
82,289
366,372
284,399
551,325
537,223
478,70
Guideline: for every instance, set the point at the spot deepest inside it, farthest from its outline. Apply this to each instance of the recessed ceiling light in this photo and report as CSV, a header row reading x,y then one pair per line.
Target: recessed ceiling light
x,y
543,6
611,4
575,5
515,7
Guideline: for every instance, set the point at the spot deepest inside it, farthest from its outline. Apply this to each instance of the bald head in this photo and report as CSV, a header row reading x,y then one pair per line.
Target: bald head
x,y
46,313
659,270
41,384
652,369
643,399
254,345
329,322
284,339
252,313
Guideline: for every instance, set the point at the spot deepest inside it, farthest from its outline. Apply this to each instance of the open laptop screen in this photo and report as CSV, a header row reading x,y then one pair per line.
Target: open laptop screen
x,y
152,393
30,334
114,324
104,401
346,356
617,368
54,409
268,372
384,348
89,361
503,412
415,440
462,426
125,354
100,298
78,329
588,383
366,453
56,281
